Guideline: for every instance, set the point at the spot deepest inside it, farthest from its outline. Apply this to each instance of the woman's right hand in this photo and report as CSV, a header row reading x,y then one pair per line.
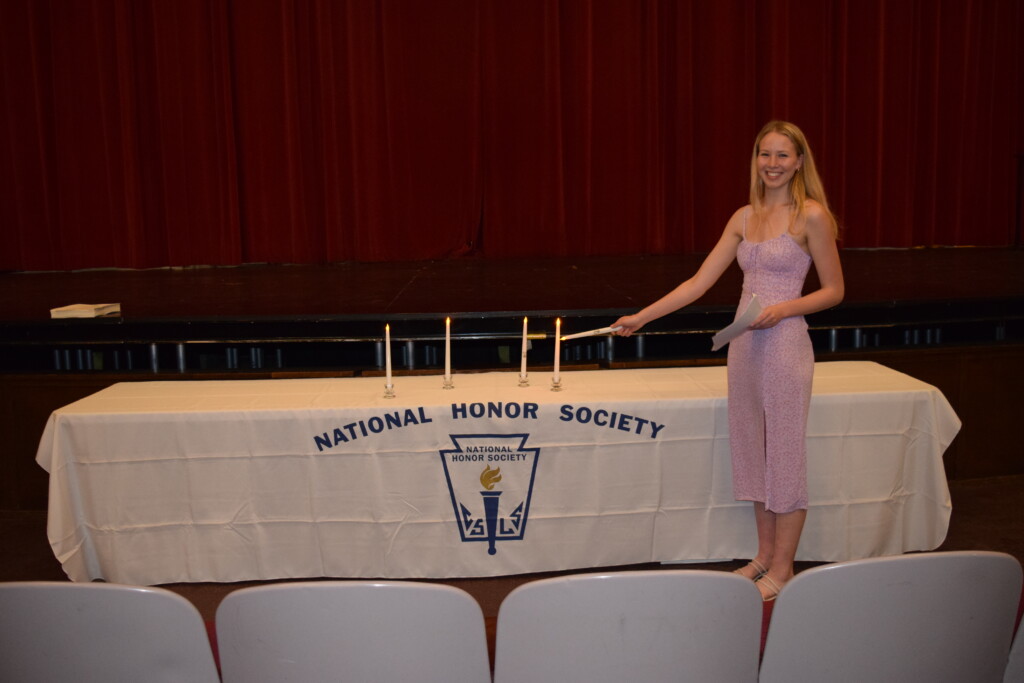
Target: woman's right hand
x,y
628,324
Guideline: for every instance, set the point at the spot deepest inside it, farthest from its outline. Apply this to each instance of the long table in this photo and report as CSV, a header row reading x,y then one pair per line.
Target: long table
x,y
189,481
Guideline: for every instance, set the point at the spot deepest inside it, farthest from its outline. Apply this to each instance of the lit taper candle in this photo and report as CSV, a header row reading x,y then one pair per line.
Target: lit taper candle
x,y
522,362
387,358
558,350
447,352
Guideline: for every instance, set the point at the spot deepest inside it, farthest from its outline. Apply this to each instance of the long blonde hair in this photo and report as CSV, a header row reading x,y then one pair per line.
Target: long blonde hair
x,y
806,183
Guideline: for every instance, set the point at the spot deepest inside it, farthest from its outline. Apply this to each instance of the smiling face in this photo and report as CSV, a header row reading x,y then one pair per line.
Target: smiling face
x,y
777,161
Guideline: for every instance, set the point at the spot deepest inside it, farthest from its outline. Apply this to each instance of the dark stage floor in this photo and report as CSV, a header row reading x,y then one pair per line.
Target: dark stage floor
x,y
555,286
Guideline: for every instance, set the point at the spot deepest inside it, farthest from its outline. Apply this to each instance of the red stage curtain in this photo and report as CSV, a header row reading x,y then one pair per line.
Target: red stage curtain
x,y
145,133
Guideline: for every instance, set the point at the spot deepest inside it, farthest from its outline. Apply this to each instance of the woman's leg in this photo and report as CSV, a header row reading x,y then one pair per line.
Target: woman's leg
x,y
765,522
787,528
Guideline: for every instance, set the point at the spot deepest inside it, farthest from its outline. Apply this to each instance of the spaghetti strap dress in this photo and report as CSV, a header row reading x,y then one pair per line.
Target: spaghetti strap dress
x,y
769,377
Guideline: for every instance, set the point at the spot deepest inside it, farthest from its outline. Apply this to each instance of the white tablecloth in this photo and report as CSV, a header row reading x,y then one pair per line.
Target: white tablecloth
x,y
161,482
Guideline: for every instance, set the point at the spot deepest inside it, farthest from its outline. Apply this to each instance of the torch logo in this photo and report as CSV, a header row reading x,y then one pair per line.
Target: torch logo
x,y
490,479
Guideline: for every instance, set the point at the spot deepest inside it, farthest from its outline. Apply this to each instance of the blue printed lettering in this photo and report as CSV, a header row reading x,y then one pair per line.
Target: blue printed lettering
x,y
376,424
611,420
497,410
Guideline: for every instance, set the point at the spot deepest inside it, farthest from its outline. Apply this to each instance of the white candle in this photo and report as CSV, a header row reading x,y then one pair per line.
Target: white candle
x,y
522,363
558,347
447,349
387,356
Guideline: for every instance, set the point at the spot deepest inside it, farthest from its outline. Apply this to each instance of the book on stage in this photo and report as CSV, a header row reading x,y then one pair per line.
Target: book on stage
x,y
85,310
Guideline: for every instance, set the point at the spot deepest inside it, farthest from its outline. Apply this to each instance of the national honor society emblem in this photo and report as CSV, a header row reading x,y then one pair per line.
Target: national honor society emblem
x,y
490,479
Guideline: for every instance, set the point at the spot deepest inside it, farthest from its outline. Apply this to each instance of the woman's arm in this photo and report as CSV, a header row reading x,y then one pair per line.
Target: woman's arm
x,y
689,291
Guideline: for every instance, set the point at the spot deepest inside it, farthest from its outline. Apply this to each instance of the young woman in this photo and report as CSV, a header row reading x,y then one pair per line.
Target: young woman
x,y
785,228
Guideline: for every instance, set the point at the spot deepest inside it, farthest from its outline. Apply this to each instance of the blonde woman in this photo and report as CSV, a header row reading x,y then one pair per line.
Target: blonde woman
x,y
786,227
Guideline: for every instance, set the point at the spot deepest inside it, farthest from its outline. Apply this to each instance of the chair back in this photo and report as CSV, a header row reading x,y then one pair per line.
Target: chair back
x,y
365,631
51,632
651,626
932,617
1015,666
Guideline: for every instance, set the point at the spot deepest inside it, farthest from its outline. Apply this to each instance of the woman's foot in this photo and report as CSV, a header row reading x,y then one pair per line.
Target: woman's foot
x,y
769,587
753,570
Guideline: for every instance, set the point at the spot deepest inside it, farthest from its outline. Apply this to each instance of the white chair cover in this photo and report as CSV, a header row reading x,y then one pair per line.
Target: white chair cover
x,y
650,626
53,632
359,631
928,617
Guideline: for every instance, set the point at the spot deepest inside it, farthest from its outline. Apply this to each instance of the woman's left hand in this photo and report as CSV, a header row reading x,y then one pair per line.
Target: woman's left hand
x,y
770,317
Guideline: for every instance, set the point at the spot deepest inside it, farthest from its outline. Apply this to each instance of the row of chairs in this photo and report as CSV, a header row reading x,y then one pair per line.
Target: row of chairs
x,y
924,617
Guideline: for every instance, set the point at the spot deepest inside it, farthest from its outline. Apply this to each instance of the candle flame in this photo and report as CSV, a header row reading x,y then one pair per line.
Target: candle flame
x,y
489,477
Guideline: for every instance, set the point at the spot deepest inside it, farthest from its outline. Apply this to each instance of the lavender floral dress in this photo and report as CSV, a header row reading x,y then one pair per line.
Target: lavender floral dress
x,y
770,374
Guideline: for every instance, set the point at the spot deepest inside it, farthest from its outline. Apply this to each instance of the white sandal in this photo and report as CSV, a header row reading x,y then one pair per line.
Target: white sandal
x,y
758,567
774,588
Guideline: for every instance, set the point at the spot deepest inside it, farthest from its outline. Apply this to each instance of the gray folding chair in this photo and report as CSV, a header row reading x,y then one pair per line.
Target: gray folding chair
x,y
1015,665
362,631
928,617
52,632
650,626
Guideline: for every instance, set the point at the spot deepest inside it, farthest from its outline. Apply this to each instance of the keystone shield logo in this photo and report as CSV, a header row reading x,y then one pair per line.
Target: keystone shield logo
x,y
490,479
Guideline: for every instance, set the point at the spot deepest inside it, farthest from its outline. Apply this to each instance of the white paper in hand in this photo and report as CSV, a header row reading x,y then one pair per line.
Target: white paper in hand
x,y
739,326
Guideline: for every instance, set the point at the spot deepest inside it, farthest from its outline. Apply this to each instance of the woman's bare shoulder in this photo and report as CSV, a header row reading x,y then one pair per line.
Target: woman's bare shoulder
x,y
740,214
738,217
816,217
814,210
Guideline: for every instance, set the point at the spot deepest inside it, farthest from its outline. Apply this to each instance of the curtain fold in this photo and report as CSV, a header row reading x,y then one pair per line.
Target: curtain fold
x,y
147,133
